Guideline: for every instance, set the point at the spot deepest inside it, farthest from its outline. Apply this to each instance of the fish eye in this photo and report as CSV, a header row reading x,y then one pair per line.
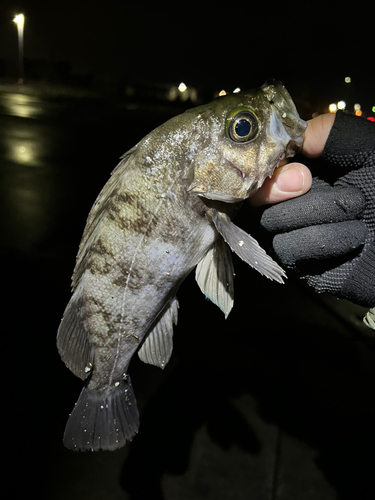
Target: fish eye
x,y
242,126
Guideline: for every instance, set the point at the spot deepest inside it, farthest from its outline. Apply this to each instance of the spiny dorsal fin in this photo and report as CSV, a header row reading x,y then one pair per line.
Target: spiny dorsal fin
x,y
97,211
214,275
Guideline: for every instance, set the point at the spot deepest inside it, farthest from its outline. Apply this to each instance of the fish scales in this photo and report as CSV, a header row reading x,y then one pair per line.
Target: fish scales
x,y
166,209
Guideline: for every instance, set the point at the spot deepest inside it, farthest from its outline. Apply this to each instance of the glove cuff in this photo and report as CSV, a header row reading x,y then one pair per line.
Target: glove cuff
x,y
350,141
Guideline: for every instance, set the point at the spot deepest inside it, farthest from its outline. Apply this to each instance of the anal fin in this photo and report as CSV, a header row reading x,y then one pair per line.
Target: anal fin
x,y
214,275
247,247
158,345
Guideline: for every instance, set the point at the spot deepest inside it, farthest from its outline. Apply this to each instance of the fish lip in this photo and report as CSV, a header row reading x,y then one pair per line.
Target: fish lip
x,y
221,198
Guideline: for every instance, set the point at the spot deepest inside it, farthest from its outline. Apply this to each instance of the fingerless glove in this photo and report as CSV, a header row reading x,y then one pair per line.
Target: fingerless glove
x,y
328,235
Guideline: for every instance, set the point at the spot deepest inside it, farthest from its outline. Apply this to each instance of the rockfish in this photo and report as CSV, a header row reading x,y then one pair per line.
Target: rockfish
x,y
165,210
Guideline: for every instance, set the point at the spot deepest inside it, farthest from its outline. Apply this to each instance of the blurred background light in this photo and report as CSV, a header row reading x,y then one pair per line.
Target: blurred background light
x,y
357,109
182,87
173,93
236,90
341,105
332,108
348,79
222,92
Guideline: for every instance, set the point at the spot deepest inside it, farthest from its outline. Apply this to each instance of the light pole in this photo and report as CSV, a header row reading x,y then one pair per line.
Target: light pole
x,y
20,21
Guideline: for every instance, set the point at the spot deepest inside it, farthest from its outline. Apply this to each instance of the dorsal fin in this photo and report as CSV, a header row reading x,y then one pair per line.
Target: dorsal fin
x,y
96,212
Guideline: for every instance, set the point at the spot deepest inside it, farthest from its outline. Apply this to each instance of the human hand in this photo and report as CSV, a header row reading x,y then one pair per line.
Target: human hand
x,y
327,236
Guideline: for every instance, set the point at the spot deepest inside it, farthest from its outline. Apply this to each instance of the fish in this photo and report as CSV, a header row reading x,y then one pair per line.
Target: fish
x,y
166,210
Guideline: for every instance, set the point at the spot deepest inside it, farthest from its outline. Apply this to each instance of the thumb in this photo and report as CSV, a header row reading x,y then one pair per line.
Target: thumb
x,y
288,181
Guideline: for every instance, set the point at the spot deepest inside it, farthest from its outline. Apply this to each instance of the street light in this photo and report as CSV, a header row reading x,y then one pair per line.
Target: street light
x,y
20,21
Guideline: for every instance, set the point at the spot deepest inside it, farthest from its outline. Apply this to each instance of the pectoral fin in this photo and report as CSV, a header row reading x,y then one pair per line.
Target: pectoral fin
x,y
247,248
214,275
157,348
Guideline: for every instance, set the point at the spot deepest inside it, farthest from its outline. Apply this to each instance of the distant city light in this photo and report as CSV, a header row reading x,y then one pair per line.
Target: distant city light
x,y
222,92
332,108
235,91
348,79
373,109
182,87
341,105
357,109
371,118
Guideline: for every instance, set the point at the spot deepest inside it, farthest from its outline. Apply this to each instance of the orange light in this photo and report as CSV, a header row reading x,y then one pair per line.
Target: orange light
x,y
358,112
332,108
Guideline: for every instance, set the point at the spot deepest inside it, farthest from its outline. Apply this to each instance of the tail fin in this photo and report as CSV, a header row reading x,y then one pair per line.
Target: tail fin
x,y
103,420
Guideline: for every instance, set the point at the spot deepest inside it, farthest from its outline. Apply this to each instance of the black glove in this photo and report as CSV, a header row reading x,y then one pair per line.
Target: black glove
x,y
328,234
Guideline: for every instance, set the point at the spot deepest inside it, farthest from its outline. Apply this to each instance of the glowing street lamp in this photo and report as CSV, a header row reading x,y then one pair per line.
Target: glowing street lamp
x,y
20,21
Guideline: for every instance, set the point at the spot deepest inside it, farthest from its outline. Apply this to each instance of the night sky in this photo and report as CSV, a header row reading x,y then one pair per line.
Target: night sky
x,y
243,43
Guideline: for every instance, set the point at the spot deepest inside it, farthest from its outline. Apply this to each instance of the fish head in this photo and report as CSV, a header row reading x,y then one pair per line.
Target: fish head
x,y
242,139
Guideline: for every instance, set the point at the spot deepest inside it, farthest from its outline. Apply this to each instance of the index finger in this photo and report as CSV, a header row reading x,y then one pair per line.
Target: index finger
x,y
316,135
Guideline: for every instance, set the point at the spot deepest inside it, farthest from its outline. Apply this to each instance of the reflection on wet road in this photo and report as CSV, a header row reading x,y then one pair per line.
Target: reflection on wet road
x,y
28,154
22,105
55,155
23,142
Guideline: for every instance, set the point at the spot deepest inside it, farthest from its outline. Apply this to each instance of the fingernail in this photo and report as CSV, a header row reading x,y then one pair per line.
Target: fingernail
x,y
290,181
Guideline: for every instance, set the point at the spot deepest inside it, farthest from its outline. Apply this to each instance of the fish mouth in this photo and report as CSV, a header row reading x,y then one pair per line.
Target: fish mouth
x,y
252,183
216,196
233,190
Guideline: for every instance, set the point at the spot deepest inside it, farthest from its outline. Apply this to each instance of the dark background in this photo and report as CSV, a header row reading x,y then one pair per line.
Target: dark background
x,y
311,47
274,403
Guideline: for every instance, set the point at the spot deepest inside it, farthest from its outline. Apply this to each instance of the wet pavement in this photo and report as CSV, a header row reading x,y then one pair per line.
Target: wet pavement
x,y
275,403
